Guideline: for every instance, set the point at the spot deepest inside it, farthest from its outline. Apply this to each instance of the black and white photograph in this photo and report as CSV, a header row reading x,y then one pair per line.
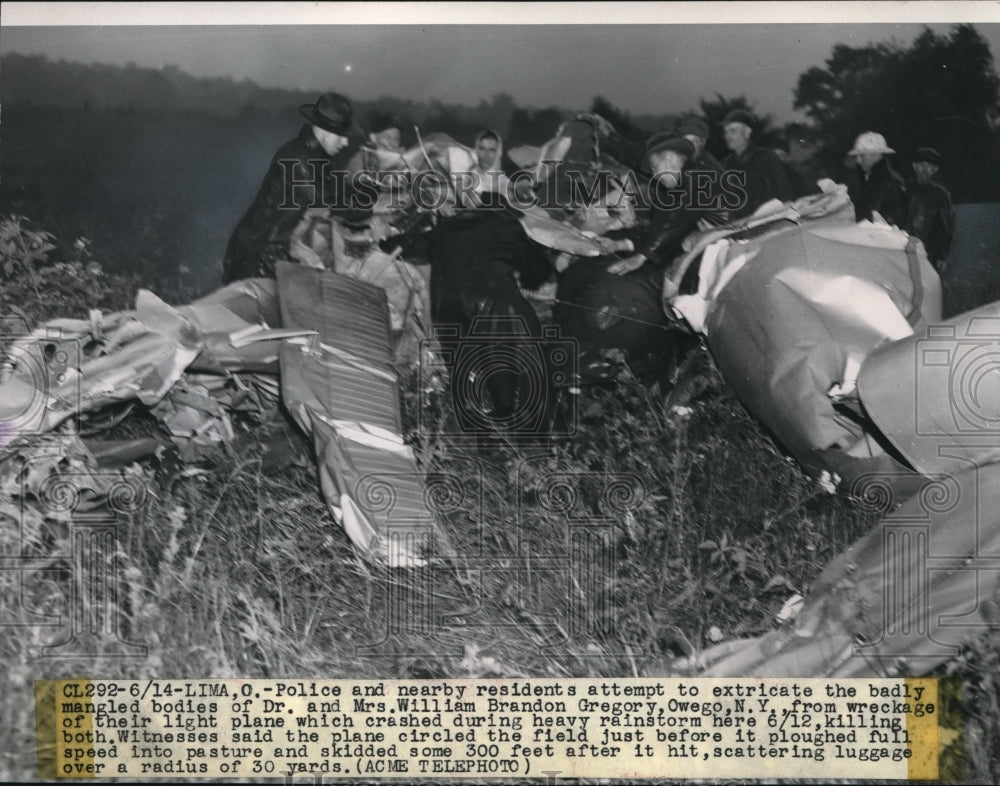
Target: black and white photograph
x,y
509,344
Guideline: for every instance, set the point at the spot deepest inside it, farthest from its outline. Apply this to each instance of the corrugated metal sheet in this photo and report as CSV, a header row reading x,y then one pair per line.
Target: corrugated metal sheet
x,y
342,389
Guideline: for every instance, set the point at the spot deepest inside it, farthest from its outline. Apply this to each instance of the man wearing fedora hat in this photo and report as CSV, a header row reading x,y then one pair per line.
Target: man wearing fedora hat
x,y
930,215
303,174
764,174
873,185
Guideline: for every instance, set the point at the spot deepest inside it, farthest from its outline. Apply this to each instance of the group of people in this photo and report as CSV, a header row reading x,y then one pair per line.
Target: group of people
x,y
694,187
922,207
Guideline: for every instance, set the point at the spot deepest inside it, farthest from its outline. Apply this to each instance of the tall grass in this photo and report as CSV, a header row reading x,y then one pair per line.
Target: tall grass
x,y
240,571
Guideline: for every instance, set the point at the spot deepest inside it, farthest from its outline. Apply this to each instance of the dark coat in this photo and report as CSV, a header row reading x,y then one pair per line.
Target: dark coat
x,y
478,308
767,178
474,257
931,218
882,190
262,236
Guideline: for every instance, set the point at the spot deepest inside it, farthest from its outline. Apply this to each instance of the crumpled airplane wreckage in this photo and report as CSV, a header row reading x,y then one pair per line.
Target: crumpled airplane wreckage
x,y
830,331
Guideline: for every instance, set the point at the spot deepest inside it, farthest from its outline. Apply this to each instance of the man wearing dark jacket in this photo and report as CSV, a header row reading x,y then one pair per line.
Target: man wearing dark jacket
x,y
671,216
765,176
309,171
875,187
930,215
615,310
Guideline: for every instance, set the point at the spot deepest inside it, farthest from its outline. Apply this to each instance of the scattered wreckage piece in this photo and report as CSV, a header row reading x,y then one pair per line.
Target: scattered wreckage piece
x,y
342,389
830,332
72,366
324,243
194,365
935,394
564,224
900,601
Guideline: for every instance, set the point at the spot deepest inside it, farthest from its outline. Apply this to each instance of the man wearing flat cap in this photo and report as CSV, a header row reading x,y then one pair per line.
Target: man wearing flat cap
x,y
873,185
703,173
671,218
615,310
930,215
765,176
303,175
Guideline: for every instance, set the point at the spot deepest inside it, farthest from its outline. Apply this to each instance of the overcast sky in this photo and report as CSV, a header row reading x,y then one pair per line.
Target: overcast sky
x,y
652,67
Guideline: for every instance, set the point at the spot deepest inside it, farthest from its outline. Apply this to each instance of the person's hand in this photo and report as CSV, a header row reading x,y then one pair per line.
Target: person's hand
x,y
627,265
612,246
524,192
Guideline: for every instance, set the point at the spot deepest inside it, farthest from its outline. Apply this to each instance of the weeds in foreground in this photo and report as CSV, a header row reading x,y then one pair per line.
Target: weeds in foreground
x,y
650,534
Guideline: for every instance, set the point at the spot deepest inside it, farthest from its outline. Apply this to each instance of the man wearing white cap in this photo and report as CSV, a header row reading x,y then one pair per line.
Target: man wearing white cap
x,y
876,187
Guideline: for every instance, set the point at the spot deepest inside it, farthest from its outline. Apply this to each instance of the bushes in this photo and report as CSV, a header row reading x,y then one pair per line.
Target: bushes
x,y
39,283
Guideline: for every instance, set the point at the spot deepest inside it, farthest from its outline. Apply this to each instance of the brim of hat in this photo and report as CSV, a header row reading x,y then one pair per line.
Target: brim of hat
x,y
659,149
308,111
884,150
701,133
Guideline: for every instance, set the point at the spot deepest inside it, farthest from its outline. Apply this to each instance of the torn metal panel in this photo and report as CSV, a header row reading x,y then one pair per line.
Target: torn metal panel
x,y
196,419
408,294
241,328
903,597
548,231
149,350
936,394
376,493
356,438
252,348
253,300
339,387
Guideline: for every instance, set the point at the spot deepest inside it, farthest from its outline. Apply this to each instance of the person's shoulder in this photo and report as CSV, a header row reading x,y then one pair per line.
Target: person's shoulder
x,y
303,142
892,175
939,188
762,156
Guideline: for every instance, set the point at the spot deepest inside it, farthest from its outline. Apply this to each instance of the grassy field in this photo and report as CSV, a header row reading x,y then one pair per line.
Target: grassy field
x,y
240,571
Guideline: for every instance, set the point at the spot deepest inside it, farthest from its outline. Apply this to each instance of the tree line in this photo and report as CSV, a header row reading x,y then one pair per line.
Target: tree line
x,y
941,91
